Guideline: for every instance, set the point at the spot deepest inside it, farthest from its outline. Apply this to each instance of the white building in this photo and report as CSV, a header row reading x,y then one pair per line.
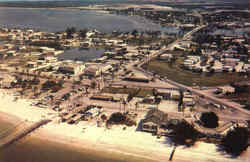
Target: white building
x,y
71,68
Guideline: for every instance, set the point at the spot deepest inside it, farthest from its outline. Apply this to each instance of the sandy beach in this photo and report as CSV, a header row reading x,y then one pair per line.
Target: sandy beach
x,y
115,140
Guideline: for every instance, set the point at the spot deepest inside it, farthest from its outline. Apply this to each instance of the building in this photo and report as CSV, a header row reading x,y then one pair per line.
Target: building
x,y
226,89
6,80
2,56
169,94
95,69
32,64
11,53
166,57
154,120
71,68
137,77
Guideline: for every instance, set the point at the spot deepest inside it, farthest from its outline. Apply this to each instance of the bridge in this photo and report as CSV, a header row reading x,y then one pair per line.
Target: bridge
x,y
19,131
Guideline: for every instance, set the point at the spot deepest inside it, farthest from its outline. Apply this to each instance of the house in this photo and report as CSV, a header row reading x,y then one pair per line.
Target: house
x,y
31,64
102,98
226,89
148,100
48,58
46,49
188,101
92,71
154,120
175,95
6,80
12,36
218,69
8,46
2,56
166,57
230,60
165,93
137,77
11,53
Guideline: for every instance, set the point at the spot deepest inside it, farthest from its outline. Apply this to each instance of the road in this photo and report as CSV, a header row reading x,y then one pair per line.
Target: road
x,y
171,45
206,96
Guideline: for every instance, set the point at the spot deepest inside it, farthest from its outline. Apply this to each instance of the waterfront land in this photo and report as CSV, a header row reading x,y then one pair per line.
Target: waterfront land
x,y
174,72
127,101
115,143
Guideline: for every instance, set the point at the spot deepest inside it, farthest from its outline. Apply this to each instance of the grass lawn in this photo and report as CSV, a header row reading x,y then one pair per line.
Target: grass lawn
x,y
186,77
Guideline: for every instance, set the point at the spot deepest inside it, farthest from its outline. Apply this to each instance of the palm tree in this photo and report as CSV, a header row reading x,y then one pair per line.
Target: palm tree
x,y
124,104
136,106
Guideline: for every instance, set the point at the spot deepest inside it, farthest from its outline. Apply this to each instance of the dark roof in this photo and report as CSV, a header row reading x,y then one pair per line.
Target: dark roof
x,y
156,116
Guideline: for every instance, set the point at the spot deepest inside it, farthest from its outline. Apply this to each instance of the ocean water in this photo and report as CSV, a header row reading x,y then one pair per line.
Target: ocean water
x,y
30,148
33,149
81,55
54,20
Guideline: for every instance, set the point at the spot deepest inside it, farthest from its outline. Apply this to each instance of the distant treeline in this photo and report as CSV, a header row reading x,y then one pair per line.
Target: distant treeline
x,y
218,4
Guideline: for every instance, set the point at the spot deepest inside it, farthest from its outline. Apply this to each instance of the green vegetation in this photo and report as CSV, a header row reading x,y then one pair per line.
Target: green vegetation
x,y
209,119
236,141
141,92
174,72
120,118
241,95
184,133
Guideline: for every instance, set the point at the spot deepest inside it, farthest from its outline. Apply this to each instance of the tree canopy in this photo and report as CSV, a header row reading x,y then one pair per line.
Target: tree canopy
x,y
209,119
184,133
120,118
236,141
70,32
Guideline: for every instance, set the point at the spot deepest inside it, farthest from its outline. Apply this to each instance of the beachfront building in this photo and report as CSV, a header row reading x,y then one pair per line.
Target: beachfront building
x,y
154,120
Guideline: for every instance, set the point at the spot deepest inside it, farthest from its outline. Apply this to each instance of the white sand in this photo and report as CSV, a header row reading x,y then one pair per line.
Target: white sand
x,y
128,142
22,108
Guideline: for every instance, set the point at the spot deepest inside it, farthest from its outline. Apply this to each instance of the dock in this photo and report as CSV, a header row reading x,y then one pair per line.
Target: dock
x,y
19,134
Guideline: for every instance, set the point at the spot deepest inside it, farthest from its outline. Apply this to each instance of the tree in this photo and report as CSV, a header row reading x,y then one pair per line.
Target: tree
x,y
184,133
236,141
93,84
209,119
121,118
83,33
117,118
103,117
134,32
70,32
180,104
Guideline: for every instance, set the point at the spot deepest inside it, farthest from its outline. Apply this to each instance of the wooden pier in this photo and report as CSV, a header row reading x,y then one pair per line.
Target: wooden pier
x,y
19,134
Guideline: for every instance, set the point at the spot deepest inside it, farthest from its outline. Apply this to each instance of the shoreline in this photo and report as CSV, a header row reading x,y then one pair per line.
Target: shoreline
x,y
8,118
86,136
